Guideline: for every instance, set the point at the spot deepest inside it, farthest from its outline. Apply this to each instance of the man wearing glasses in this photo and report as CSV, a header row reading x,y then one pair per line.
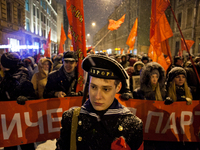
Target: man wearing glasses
x,y
63,82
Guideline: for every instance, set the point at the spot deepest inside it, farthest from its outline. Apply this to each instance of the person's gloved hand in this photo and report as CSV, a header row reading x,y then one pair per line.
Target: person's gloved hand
x,y
21,100
189,101
80,93
60,94
127,96
168,101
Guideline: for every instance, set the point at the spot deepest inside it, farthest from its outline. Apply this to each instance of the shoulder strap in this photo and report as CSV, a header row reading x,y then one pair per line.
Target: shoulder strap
x,y
74,126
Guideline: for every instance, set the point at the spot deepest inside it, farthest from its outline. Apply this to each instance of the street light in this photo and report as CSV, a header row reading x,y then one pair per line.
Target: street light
x,y
88,34
93,24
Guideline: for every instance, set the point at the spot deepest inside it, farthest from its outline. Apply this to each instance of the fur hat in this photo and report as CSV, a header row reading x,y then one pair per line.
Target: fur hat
x,y
174,72
10,60
147,71
155,71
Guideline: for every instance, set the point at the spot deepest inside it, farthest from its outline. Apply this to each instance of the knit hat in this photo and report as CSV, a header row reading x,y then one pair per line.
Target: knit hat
x,y
155,71
10,60
174,72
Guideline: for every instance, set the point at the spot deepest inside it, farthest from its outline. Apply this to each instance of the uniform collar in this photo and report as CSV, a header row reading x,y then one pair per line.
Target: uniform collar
x,y
115,109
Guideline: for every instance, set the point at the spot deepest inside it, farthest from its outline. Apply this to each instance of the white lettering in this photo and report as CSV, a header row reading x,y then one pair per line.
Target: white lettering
x,y
51,120
172,126
150,114
189,122
31,124
15,120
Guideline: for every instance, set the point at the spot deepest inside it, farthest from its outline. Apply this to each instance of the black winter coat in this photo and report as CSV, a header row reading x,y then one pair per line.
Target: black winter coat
x,y
15,83
97,133
57,81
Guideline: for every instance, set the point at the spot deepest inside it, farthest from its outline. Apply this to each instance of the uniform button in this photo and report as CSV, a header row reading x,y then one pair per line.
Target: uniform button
x,y
120,128
79,138
80,123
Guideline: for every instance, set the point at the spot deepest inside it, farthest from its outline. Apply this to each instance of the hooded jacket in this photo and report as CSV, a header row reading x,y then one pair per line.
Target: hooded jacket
x,y
15,83
33,68
39,79
124,63
136,72
145,91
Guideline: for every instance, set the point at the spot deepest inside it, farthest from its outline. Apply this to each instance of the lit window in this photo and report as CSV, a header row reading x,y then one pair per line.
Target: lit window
x,y
27,5
27,24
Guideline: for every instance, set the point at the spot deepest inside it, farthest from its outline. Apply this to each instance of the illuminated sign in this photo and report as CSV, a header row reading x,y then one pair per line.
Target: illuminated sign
x,y
20,46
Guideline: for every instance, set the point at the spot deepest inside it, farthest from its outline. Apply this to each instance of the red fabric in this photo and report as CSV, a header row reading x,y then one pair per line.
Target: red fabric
x,y
122,51
62,39
47,47
160,31
120,144
75,15
189,44
114,25
131,38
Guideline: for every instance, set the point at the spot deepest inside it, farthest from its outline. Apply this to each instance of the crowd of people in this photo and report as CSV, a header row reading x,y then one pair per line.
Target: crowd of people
x,y
25,79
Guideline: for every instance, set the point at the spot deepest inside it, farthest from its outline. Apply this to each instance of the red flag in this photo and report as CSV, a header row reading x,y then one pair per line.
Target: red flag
x,y
62,39
47,47
160,31
131,38
38,57
114,25
122,51
69,34
188,42
75,15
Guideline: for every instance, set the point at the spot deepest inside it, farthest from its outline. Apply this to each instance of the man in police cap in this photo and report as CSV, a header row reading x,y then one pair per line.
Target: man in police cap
x,y
102,123
63,82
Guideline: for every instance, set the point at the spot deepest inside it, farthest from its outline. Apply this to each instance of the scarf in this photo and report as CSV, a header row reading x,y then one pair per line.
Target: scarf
x,y
69,75
156,88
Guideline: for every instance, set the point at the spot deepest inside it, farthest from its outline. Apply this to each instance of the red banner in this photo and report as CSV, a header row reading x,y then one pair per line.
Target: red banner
x,y
39,120
75,15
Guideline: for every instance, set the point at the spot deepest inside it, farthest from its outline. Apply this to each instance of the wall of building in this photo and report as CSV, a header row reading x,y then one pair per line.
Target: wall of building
x,y
189,24
12,16
117,39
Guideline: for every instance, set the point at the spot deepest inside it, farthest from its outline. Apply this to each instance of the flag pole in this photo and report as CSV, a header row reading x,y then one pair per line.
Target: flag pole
x,y
185,43
102,38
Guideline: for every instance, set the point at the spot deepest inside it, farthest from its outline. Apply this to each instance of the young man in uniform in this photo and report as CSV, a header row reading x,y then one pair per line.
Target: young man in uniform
x,y
102,123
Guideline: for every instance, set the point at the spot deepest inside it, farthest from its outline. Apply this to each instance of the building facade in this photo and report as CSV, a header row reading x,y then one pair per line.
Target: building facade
x,y
12,22
116,40
187,13
28,22
40,17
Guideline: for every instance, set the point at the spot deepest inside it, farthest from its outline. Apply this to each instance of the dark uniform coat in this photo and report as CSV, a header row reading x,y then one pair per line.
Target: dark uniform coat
x,y
57,81
97,132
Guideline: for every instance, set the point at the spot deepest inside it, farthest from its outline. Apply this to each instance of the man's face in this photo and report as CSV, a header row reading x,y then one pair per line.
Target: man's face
x,y
102,92
179,62
69,65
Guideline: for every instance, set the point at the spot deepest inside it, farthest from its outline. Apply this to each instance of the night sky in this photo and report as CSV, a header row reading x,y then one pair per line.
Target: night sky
x,y
96,11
